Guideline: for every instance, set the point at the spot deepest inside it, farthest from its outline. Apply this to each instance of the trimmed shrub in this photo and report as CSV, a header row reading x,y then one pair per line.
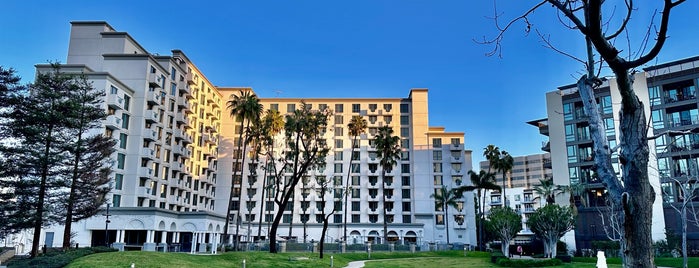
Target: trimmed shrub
x,y
565,258
496,256
57,258
504,262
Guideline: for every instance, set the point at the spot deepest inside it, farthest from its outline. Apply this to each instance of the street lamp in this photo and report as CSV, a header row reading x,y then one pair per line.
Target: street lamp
x,y
106,227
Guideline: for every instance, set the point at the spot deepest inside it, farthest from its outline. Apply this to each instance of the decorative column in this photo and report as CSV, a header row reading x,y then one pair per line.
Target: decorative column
x,y
163,241
149,245
202,242
193,247
119,244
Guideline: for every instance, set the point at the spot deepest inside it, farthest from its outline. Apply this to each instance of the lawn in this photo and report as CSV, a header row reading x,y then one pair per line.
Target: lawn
x,y
235,259
442,259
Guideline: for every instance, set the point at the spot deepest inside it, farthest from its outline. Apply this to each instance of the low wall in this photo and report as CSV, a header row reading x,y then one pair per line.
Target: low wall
x,y
6,255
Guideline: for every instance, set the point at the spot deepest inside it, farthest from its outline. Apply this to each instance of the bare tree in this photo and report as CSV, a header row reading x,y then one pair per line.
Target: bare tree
x,y
632,192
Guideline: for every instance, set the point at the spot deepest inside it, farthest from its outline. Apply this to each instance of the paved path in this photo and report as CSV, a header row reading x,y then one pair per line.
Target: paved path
x,y
360,264
355,264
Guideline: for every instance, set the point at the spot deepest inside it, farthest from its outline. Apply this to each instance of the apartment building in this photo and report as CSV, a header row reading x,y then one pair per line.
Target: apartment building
x,y
669,92
527,172
174,160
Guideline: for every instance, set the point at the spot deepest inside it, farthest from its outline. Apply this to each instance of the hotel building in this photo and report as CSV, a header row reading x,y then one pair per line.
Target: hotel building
x,y
668,92
175,156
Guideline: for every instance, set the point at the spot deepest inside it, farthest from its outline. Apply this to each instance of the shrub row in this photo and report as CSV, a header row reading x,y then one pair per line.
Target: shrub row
x,y
56,258
504,262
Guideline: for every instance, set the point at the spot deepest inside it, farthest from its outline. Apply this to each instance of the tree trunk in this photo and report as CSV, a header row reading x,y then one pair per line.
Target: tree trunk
x,y
446,221
482,218
38,218
322,236
262,199
71,196
240,196
383,198
230,196
684,233
347,188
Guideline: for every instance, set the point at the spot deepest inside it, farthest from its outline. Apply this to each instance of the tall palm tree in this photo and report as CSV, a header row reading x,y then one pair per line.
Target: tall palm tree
x,y
575,189
445,198
500,161
246,108
547,190
272,124
388,150
355,127
480,181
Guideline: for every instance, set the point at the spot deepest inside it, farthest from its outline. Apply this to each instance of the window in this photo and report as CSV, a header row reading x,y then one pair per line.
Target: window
x,y
388,119
322,107
121,158
570,132
372,107
173,89
338,156
437,167
404,131
609,126
388,107
355,218
122,140
113,90
339,108
338,168
127,102
572,157
439,219
436,143
286,218
125,121
405,143
116,200
355,206
606,104
338,144
356,193
355,107
338,131
406,206
337,218
355,180
405,180
274,106
568,111
438,180
290,108
654,95
405,168
404,155
373,218
406,219
404,120
405,193
437,155
118,181
404,108
339,119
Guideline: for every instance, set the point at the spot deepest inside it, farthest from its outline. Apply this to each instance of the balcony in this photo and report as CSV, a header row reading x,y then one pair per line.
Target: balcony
x,y
181,118
116,102
143,191
149,134
206,138
178,134
112,122
685,121
183,104
185,89
456,159
496,202
546,146
153,97
191,79
154,80
145,172
177,166
456,147
372,210
151,116
148,153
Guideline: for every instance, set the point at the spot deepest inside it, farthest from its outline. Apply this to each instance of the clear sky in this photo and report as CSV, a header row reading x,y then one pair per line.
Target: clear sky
x,y
360,48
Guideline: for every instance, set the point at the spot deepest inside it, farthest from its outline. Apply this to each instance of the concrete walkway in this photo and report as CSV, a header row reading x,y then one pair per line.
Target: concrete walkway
x,y
355,264
359,264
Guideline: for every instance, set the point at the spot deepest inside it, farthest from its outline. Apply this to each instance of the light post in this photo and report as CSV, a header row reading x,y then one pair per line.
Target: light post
x,y
106,227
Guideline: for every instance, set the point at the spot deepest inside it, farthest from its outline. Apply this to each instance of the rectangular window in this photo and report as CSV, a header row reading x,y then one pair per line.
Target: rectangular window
x,y
339,119
338,156
438,180
116,200
572,157
606,104
405,155
338,144
388,107
405,168
355,206
405,143
405,193
654,95
568,111
338,168
405,180
290,108
121,158
127,102
657,119
125,121
406,219
339,108
436,143
338,131
355,218
122,140
355,180
337,218
118,181
437,167
437,155
439,219
404,120
570,132
286,218
404,108
355,107
404,132
274,106
322,107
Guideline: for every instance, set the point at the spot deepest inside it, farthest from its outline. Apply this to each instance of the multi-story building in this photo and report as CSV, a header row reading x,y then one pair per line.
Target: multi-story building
x,y
669,90
175,158
527,172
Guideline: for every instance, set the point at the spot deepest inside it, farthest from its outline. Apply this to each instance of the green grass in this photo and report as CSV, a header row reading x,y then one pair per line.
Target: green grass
x,y
441,259
234,259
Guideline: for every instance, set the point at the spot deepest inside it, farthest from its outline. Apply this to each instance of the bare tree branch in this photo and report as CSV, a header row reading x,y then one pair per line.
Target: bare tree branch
x,y
622,27
549,45
498,39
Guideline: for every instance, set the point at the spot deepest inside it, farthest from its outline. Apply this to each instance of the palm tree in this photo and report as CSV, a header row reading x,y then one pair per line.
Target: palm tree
x,y
547,190
244,107
388,150
500,161
272,124
482,180
575,189
444,199
355,127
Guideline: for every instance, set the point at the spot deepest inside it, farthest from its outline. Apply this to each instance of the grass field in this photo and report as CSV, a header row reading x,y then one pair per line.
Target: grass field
x,y
441,259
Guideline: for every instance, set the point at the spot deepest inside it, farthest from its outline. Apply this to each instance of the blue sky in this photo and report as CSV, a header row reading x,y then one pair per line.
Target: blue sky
x,y
363,48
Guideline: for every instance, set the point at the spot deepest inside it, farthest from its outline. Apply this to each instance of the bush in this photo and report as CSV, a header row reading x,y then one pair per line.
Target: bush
x,y
57,258
564,258
496,256
504,262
